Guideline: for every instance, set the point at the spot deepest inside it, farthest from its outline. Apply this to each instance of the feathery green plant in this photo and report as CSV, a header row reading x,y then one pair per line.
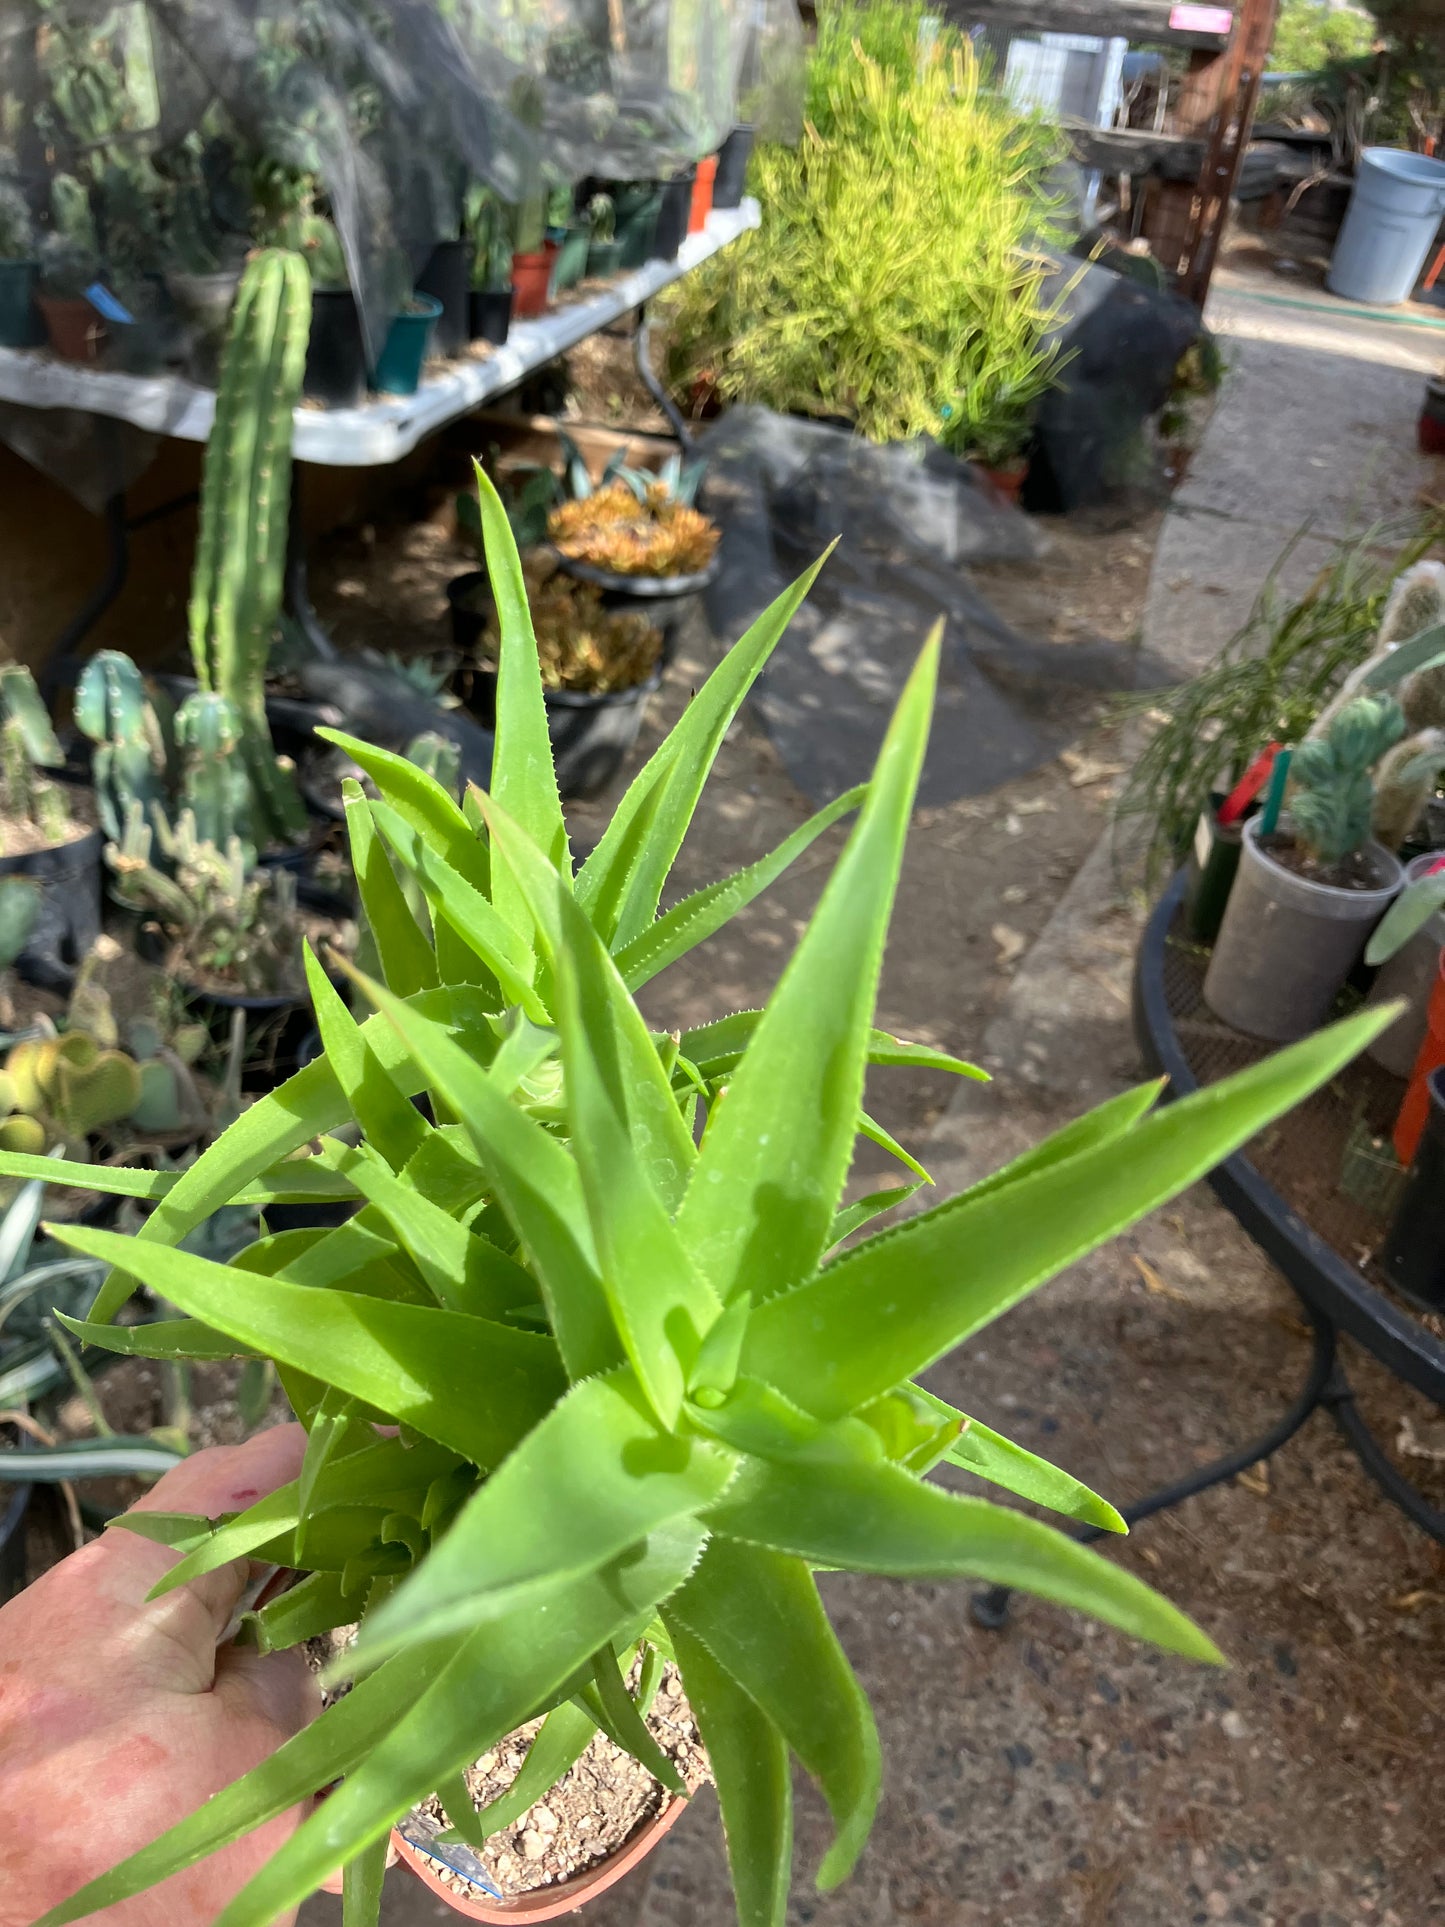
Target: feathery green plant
x,y
641,1395
897,276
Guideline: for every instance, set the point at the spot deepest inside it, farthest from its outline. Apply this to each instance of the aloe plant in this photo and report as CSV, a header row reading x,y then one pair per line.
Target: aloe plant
x,y
642,1394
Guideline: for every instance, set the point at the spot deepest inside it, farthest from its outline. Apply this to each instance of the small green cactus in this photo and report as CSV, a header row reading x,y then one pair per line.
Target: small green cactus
x,y
214,786
1333,789
236,586
1404,784
28,745
131,760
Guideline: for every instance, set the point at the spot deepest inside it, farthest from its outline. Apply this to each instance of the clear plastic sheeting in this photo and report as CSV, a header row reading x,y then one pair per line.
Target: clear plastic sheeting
x,y
909,518
159,138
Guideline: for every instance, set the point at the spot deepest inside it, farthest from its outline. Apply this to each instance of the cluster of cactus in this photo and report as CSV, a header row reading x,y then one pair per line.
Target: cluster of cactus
x,y
28,745
582,644
651,535
439,756
1409,658
145,755
487,228
236,586
225,918
16,227
1333,803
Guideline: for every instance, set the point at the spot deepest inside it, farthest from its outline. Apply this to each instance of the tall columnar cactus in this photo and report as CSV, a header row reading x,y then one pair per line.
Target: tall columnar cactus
x,y
237,583
130,764
1335,793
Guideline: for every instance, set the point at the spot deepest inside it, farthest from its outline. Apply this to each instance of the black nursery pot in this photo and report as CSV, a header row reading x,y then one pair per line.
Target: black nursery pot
x,y
335,354
447,278
68,921
732,167
1414,1253
490,311
590,734
672,216
664,600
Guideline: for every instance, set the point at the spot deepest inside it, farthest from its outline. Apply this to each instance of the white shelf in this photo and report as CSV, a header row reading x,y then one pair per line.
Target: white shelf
x,y
385,428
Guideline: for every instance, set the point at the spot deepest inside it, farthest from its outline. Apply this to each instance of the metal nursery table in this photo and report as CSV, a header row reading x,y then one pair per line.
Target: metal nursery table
x,y
1314,1241
380,432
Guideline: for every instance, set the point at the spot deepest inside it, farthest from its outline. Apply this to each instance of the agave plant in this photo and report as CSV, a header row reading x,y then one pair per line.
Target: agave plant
x,y
641,1392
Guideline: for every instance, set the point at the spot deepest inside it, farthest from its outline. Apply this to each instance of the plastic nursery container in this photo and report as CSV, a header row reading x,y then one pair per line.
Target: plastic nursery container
x,y
20,326
76,331
1213,866
1392,219
604,259
1413,1112
637,226
570,263
546,1903
335,352
1410,974
447,278
701,204
1413,1255
1287,944
531,274
732,167
490,314
672,216
408,342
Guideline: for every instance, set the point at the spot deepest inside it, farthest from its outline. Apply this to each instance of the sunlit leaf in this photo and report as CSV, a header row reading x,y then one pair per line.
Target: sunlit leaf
x,y
408,962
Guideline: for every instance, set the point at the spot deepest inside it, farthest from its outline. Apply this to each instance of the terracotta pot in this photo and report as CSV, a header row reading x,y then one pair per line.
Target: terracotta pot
x,y
546,1903
1008,481
530,275
76,331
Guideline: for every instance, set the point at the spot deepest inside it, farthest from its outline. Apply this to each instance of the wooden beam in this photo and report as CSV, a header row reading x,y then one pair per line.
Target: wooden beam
x,y
1127,19
1228,138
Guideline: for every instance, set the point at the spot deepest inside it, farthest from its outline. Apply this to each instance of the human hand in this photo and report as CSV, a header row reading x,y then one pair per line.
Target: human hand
x,y
118,1717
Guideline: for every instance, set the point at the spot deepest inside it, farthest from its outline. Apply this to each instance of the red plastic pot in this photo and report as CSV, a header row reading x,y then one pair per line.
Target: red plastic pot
x,y
1416,1108
1008,481
530,275
76,331
545,1903
702,194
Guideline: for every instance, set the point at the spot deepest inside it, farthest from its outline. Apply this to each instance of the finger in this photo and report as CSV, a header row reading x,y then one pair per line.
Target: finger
x,y
228,1478
279,1688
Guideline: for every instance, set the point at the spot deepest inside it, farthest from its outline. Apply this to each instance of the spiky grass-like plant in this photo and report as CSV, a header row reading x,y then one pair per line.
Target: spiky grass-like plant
x,y
641,1396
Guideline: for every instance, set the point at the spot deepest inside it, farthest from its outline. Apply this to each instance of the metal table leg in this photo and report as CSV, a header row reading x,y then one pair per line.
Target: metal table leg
x,y
1338,1398
642,354
990,1608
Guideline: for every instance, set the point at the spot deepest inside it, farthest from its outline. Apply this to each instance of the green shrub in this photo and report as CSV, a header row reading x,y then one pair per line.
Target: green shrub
x,y
1310,35
897,277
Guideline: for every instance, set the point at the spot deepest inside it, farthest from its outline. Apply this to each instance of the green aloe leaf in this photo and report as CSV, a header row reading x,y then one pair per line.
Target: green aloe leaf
x,y
759,1615
749,1760
422,801
534,1178
361,1880
716,1048
346,1733
854,1216
594,1477
506,954
760,1203
524,779
502,1672
661,1306
883,1049
989,1455
871,1129
463,1270
621,883
561,1740
1410,912
622,1722
879,1518
392,1124
697,917
114,1180
165,1338
886,1309
421,1365
408,962
318,1604
1423,651
1105,1124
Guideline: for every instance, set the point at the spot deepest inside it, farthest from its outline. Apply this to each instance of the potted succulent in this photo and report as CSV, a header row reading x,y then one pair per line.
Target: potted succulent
x,y
18,269
638,536
69,265
604,250
492,294
600,665
636,205
690,1406
205,266
408,344
44,837
531,258
1310,890
572,237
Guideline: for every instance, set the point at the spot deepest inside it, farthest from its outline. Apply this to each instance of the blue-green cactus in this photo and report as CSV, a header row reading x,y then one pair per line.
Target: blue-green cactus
x,y
130,764
214,784
1334,790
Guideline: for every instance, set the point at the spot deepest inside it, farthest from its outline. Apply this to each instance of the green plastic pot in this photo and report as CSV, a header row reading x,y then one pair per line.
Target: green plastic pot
x,y
604,258
20,325
571,262
636,226
398,370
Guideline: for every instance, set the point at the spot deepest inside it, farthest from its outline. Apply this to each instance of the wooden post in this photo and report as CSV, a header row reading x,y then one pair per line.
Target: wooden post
x,y
1228,137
